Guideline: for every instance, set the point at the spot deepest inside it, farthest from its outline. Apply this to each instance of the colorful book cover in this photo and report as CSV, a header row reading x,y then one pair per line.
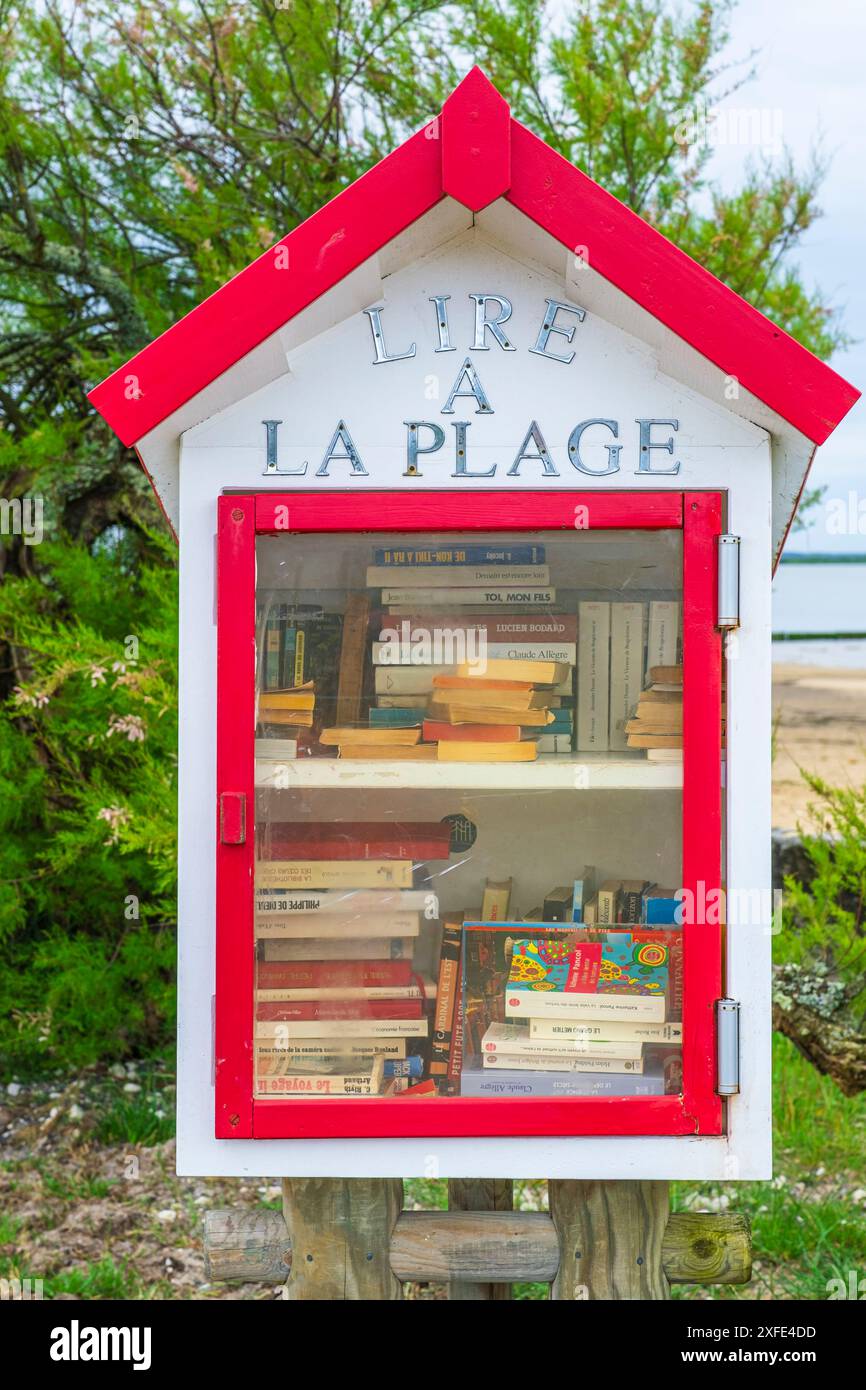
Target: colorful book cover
x,y
616,964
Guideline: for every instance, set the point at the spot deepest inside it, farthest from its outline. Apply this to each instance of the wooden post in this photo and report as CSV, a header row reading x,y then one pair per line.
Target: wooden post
x,y
480,1194
341,1237
610,1239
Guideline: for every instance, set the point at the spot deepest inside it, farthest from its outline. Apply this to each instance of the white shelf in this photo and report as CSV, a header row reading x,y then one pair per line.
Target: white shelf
x,y
590,772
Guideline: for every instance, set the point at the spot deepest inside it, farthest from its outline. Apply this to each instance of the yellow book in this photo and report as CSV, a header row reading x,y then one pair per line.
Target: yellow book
x,y
334,873
536,672
420,753
301,718
476,714
287,699
379,737
655,740
466,752
494,698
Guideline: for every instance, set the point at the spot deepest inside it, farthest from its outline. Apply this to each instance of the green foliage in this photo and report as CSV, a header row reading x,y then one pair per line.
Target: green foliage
x,y
137,1119
87,807
824,922
148,153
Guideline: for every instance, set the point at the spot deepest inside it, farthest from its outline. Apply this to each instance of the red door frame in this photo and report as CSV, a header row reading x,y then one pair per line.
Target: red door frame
x,y
241,518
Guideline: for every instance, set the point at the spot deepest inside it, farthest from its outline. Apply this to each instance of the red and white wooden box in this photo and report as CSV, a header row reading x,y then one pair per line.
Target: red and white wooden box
x,y
607,386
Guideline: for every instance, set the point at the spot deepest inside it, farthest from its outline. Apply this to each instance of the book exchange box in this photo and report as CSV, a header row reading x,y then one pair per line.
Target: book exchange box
x,y
479,483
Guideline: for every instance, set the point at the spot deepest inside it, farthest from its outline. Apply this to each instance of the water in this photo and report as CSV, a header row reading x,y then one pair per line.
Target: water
x,y
820,599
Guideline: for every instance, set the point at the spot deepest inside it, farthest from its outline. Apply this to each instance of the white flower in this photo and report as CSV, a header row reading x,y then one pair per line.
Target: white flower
x,y
116,817
130,724
97,675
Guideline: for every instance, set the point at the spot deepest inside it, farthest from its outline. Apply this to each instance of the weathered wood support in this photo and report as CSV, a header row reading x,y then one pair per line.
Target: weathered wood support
x,y
610,1239
488,1247
341,1237
475,1195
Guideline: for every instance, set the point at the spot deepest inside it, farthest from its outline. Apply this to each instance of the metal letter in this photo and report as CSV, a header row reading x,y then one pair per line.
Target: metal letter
x,y
482,322
413,448
460,469
551,326
341,436
271,465
542,452
442,325
475,389
646,444
613,450
382,353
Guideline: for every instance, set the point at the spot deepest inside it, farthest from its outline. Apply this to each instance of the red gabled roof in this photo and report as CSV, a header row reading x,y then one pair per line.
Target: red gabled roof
x,y
475,153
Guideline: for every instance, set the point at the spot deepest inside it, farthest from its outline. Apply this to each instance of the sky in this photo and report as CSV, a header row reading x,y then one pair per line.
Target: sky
x,y
811,86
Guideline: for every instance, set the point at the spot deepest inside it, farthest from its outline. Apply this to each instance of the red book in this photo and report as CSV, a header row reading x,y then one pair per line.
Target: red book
x,y
326,974
524,629
433,729
333,1009
414,840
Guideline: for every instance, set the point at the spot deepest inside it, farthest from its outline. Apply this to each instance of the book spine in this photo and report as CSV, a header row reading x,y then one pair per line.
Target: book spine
x,y
563,652
528,629
331,1010
339,846
304,924
343,1028
593,710
447,995
351,679
532,1004
563,1062
626,667
449,556
334,873
662,634
331,975
493,597
339,948
405,1066
307,1085
458,576
337,994
325,1050
349,901
513,1083
551,1030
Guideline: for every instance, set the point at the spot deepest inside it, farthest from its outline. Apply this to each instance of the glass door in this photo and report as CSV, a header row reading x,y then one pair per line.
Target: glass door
x,y
469,765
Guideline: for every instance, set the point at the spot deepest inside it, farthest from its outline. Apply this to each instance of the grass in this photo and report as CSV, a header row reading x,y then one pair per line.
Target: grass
x,y
808,1223
142,1118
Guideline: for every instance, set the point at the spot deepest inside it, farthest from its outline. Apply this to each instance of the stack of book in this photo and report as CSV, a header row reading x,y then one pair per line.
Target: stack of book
x,y
336,919
656,723
583,1014
299,665
618,643
469,653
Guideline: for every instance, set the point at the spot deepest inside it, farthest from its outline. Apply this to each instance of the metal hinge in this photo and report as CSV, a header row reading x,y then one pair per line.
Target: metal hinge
x,y
727,1047
729,582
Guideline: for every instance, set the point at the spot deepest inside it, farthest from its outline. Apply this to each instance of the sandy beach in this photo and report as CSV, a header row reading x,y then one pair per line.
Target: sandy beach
x,y
820,722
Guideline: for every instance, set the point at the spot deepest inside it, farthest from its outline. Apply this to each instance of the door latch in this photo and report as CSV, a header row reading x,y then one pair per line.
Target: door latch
x,y
233,818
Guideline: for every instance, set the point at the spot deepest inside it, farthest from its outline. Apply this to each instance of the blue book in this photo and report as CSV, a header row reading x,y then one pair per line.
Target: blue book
x,y
396,718
661,908
584,887
460,555
404,1066
515,1084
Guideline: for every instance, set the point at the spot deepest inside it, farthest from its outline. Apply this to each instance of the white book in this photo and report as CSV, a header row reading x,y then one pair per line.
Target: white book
x,y
280,749
336,993
324,1049
457,576
530,1003
662,633
338,948
564,652
626,667
554,743
664,755
560,1062
344,1028
511,1040
638,1030
492,597
593,677
338,924
349,900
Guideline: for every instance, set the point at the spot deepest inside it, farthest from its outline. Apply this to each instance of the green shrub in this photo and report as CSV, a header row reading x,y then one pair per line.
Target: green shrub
x,y
87,807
